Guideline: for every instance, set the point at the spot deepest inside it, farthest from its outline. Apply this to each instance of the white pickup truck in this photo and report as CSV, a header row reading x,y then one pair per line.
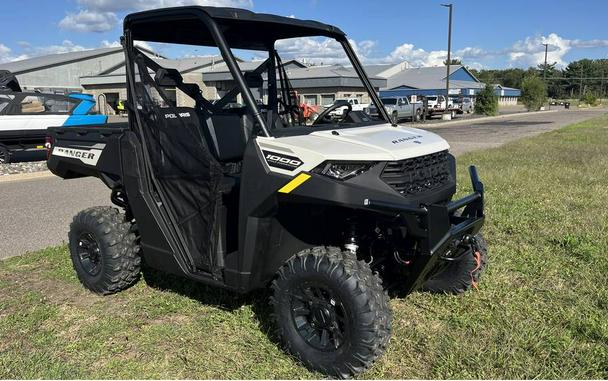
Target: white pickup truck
x,y
353,102
399,108
437,105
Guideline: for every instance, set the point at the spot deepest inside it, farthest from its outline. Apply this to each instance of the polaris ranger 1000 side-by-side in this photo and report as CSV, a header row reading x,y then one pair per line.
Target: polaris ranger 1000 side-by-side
x,y
243,193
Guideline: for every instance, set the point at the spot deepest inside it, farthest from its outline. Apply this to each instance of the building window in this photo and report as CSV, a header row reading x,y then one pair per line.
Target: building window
x,y
327,99
310,100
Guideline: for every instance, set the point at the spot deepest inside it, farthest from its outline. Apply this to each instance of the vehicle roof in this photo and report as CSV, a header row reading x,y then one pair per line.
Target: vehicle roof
x,y
243,29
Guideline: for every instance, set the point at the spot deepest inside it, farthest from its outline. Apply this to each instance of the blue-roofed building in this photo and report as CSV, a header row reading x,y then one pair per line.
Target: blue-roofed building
x,y
432,81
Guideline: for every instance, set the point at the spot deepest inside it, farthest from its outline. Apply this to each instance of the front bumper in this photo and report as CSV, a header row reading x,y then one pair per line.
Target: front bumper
x,y
436,226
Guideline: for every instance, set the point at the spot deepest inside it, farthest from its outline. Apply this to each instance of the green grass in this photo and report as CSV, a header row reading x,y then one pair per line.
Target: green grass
x,y
541,310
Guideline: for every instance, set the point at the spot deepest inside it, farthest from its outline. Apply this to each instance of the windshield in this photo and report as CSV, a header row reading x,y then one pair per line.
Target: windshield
x,y
432,98
389,101
316,84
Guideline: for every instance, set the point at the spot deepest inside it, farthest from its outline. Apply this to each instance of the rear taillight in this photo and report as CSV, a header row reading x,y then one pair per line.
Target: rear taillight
x,y
48,144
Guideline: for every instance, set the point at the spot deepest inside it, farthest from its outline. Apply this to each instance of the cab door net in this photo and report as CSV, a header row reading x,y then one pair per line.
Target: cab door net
x,y
188,174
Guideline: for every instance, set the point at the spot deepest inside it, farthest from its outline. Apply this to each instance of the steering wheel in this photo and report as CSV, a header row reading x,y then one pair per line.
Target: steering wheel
x,y
324,117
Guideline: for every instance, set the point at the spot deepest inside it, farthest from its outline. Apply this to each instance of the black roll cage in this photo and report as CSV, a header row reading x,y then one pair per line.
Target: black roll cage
x,y
215,30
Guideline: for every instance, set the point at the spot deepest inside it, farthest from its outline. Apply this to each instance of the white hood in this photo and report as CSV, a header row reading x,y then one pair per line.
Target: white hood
x,y
376,143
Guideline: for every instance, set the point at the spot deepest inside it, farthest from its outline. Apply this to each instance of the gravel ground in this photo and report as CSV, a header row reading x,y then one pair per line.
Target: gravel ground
x,y
23,167
28,161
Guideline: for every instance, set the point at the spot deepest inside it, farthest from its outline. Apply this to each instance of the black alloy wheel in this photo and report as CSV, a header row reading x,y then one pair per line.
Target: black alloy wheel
x,y
319,316
89,254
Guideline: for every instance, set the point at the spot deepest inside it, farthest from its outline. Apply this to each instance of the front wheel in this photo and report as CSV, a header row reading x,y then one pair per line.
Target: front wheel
x,y
395,117
331,311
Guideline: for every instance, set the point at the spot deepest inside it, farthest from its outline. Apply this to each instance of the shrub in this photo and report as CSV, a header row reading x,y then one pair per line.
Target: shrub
x,y
534,93
589,99
486,102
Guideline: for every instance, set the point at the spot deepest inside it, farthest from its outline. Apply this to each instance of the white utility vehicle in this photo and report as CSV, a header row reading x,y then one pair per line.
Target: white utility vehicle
x,y
25,116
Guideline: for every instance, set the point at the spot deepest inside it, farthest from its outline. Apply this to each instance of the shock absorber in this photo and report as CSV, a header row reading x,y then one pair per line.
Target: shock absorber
x,y
351,244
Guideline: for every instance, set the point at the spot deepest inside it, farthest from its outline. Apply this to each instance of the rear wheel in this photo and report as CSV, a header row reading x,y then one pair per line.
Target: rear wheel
x,y
331,311
104,250
452,114
462,274
5,155
418,115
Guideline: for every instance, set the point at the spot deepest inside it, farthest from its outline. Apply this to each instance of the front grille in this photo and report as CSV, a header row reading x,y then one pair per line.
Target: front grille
x,y
418,175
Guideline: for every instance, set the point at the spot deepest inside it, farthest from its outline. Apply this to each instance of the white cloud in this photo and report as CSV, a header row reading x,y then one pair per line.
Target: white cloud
x,y
116,44
66,46
312,50
589,43
89,21
110,44
531,52
328,51
416,56
102,15
522,53
139,5
7,56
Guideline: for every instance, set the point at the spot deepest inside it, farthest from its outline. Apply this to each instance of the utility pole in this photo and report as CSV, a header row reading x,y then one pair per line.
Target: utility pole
x,y
545,73
602,85
447,77
580,88
545,67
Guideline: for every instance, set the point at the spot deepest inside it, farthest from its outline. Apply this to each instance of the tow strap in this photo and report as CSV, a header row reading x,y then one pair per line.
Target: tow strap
x,y
477,256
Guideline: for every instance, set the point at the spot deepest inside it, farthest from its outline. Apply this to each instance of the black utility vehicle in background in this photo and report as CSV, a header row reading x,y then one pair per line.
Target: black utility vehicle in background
x,y
244,195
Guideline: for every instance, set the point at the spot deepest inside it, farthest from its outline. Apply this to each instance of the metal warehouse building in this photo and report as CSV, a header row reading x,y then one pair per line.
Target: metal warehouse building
x,y
315,85
61,73
432,81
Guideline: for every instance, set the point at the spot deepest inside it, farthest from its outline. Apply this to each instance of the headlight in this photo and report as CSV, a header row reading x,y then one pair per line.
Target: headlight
x,y
343,170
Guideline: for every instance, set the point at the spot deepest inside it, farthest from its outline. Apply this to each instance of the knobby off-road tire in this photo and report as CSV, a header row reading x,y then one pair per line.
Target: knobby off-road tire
x,y
104,250
331,311
5,155
460,275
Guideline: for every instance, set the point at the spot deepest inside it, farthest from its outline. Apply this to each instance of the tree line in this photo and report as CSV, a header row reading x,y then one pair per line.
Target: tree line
x,y
578,80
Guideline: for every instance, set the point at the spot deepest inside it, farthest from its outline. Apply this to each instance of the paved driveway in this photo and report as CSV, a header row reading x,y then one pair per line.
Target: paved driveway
x,y
486,134
36,213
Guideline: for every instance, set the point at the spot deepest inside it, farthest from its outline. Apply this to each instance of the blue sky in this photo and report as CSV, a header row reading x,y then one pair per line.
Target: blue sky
x,y
488,34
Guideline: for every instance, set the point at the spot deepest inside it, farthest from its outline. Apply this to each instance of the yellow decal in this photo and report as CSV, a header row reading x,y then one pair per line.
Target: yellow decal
x,y
296,182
